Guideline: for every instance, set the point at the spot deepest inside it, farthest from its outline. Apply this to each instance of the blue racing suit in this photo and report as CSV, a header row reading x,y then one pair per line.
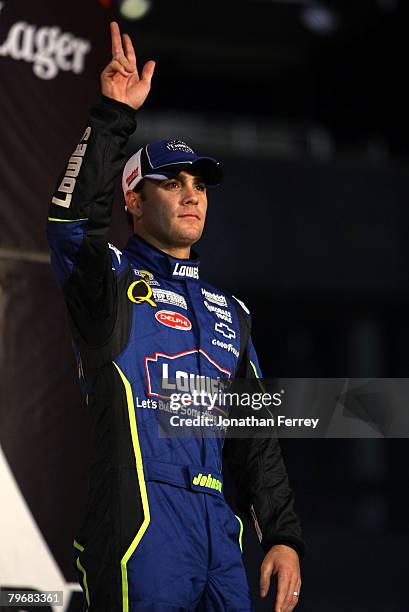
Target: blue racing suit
x,y
157,534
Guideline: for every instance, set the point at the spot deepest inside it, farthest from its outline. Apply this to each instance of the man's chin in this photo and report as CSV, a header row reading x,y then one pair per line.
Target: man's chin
x,y
188,238
187,241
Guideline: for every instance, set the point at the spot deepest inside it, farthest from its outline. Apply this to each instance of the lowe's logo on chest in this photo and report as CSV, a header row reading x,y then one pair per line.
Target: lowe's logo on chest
x,y
185,271
167,374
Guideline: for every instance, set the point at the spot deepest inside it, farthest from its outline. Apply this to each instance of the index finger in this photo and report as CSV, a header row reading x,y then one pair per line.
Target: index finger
x,y
116,39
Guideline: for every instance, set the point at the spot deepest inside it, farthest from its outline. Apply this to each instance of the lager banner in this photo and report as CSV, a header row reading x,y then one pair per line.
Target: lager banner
x,y
51,55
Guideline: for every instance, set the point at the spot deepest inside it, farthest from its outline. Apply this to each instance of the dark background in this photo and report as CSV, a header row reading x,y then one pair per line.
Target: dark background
x,y
310,229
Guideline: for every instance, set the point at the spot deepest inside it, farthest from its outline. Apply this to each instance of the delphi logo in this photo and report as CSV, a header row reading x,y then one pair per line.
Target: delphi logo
x,y
173,319
47,48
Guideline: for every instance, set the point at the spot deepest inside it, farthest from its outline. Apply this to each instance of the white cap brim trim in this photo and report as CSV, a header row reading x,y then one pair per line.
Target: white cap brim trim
x,y
132,165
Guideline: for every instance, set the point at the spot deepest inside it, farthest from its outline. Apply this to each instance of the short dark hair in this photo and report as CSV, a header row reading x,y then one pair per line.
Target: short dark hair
x,y
129,216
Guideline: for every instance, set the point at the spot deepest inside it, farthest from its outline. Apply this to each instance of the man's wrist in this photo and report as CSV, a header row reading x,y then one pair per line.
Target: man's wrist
x,y
299,547
121,106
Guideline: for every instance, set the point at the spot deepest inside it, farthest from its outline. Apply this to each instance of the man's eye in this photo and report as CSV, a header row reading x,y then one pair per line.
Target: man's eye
x,y
201,187
170,184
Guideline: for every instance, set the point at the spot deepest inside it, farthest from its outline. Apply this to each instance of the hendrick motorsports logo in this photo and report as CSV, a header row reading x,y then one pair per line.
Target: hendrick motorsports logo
x,y
216,298
47,48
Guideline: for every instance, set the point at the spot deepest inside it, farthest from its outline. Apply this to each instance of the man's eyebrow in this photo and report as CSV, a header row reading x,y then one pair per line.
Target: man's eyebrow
x,y
198,179
182,179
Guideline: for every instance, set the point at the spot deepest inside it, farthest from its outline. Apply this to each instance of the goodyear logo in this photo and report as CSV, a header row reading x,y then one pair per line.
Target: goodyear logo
x,y
208,481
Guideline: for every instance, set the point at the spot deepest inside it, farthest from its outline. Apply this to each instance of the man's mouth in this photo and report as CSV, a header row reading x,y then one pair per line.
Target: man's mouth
x,y
190,215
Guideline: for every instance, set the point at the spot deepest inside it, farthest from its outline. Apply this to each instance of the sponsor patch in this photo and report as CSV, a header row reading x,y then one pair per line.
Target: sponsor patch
x,y
179,145
228,347
173,319
185,271
225,330
167,374
216,298
132,176
69,181
147,276
169,297
219,312
139,292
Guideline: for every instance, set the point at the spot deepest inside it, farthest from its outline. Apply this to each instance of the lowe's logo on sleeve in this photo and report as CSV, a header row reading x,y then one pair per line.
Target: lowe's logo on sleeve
x,y
185,271
69,181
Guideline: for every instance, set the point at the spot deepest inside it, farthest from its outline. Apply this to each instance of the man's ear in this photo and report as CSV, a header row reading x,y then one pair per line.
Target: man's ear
x,y
134,203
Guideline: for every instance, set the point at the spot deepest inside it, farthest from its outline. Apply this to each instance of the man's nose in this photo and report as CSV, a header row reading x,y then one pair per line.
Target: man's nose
x,y
190,195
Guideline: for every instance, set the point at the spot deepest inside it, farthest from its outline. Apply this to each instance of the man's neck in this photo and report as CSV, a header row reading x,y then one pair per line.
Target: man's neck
x,y
174,251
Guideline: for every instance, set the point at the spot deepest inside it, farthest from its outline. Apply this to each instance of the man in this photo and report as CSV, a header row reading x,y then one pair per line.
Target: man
x,y
158,534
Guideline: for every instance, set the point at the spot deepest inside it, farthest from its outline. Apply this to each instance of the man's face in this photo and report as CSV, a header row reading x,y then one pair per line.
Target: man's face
x,y
172,211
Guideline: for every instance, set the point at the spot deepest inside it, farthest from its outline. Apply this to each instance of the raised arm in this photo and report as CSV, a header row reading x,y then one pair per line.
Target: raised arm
x,y
80,210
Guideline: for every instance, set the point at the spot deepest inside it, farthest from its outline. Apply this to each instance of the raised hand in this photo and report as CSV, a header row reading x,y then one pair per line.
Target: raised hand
x,y
120,80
